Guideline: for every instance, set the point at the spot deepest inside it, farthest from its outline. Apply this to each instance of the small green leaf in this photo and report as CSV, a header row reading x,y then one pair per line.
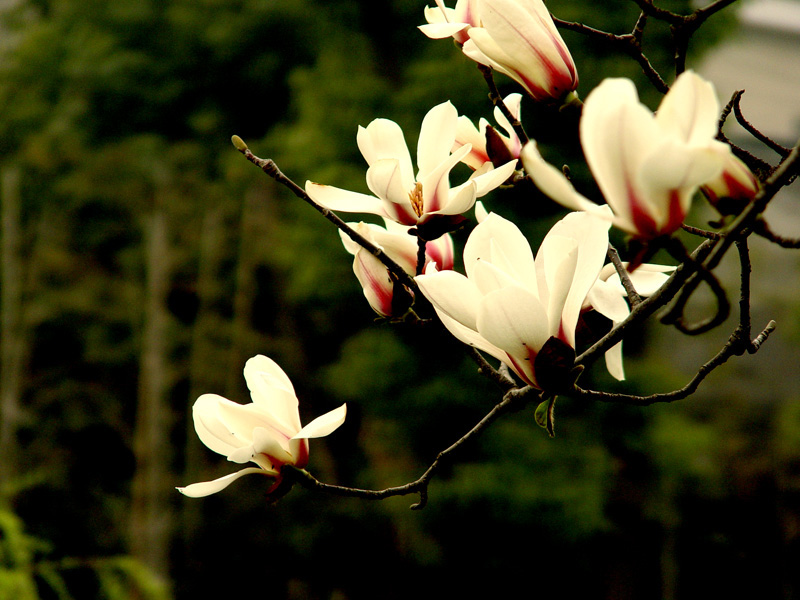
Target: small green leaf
x,y
545,415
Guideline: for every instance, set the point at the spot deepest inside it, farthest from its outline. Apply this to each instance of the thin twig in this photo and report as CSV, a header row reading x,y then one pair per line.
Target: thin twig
x,y
513,400
674,316
497,100
703,233
630,44
782,151
645,308
736,342
624,276
270,168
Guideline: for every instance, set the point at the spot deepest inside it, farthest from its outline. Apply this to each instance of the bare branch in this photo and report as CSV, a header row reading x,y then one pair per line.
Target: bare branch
x,y
513,400
630,44
497,100
624,277
270,168
733,347
782,151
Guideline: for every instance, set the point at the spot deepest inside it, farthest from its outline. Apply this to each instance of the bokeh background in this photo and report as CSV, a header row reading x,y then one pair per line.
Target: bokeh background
x,y
143,260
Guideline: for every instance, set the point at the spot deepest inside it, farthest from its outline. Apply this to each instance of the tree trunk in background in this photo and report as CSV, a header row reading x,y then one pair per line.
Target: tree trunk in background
x,y
251,235
11,329
210,344
150,511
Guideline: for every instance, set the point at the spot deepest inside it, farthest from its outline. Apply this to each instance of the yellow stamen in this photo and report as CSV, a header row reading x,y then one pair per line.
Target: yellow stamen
x,y
415,195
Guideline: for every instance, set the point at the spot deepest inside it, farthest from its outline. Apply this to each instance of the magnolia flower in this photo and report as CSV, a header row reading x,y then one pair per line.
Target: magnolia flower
x,y
607,297
731,190
487,144
521,310
518,38
266,432
379,285
445,22
425,201
647,166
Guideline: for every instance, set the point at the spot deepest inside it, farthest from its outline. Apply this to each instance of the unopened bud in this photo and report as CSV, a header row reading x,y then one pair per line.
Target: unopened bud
x,y
238,143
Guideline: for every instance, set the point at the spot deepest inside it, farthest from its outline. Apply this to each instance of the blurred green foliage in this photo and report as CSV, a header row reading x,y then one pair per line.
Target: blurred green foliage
x,y
114,111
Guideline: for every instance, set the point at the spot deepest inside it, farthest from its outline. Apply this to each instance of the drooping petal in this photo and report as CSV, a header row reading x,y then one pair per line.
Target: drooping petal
x,y
324,424
206,488
605,297
614,362
551,181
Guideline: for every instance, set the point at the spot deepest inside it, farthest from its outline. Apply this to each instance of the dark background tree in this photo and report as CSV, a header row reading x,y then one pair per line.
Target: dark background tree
x,y
144,261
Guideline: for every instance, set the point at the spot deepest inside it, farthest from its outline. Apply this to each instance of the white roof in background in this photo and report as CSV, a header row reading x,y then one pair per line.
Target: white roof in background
x,y
764,64
783,15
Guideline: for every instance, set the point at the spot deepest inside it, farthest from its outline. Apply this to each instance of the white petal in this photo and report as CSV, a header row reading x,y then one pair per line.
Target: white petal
x,y
386,182
210,429
514,320
494,178
206,488
272,391
501,242
608,299
437,31
436,185
551,181
375,281
690,109
453,294
344,200
266,442
324,424
614,362
383,139
616,132
648,278
436,137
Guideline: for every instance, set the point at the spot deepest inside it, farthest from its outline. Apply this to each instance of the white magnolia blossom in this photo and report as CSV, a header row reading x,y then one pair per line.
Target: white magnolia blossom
x,y
266,432
518,38
402,196
647,166
397,244
446,22
510,303
467,133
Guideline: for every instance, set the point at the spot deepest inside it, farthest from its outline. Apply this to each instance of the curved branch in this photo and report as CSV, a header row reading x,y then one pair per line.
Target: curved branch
x,y
513,400
736,345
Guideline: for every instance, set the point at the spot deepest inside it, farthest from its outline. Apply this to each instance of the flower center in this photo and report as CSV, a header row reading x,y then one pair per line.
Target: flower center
x,y
415,195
